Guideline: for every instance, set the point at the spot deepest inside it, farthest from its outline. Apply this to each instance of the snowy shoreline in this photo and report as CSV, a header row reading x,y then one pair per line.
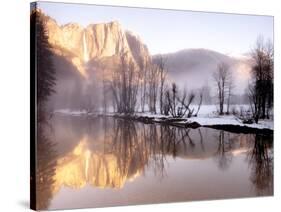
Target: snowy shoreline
x,y
224,122
229,123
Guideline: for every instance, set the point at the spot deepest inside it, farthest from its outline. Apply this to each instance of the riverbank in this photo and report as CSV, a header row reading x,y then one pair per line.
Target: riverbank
x,y
225,122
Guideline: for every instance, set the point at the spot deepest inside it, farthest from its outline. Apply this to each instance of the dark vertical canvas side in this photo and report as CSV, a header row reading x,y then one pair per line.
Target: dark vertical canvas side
x,y
32,107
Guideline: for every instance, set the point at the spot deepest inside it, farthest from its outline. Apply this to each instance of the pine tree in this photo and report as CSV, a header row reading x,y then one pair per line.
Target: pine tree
x,y
44,68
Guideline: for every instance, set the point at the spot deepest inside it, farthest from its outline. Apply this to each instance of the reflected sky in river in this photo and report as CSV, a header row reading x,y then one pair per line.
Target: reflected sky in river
x,y
100,162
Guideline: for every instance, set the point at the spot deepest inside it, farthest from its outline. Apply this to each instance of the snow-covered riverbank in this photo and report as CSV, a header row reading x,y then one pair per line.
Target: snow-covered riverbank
x,y
207,117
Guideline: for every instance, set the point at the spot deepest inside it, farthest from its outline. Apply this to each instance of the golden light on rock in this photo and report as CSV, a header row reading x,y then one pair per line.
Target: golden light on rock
x,y
81,166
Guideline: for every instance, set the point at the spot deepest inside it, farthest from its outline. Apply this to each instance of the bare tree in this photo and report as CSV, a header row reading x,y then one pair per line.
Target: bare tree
x,y
221,77
174,97
261,88
124,85
200,102
104,91
160,62
178,105
144,66
171,100
230,87
166,101
186,102
253,102
153,85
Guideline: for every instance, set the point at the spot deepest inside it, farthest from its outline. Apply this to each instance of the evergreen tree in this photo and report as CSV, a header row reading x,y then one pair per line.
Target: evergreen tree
x,y
44,68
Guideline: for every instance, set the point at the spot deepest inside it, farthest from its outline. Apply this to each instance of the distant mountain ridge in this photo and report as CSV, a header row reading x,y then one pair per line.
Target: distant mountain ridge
x,y
194,68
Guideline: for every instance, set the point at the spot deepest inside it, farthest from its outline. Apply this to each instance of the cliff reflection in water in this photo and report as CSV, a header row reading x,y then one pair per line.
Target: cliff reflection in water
x,y
107,153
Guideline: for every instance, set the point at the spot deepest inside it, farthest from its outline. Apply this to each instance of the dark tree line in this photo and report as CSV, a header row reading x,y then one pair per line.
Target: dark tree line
x,y
261,89
44,68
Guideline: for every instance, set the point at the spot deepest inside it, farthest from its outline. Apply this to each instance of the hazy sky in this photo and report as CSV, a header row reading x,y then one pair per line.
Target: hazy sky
x,y
166,31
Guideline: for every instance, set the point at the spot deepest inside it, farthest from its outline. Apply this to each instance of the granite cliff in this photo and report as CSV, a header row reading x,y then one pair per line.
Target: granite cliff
x,y
96,42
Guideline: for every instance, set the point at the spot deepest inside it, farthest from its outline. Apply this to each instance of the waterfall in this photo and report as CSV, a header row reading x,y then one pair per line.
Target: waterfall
x,y
85,49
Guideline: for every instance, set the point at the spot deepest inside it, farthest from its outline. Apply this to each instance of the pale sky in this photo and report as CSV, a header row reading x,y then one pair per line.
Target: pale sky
x,y
165,31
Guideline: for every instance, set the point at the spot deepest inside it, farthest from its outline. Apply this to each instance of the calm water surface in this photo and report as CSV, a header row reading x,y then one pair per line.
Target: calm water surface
x,y
106,162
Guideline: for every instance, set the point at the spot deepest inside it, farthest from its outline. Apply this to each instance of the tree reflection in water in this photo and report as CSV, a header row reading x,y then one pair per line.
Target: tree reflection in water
x,y
261,163
136,149
129,150
224,155
148,145
45,166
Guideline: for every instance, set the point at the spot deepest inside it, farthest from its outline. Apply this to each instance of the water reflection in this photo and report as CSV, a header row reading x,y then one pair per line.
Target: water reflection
x,y
45,165
261,161
107,153
224,152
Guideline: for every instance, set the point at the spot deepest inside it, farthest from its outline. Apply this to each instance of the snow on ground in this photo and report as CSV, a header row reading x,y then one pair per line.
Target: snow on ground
x,y
231,120
207,116
71,112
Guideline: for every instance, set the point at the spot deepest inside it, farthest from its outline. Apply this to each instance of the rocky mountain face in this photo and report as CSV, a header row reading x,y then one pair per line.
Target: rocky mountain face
x,y
95,42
